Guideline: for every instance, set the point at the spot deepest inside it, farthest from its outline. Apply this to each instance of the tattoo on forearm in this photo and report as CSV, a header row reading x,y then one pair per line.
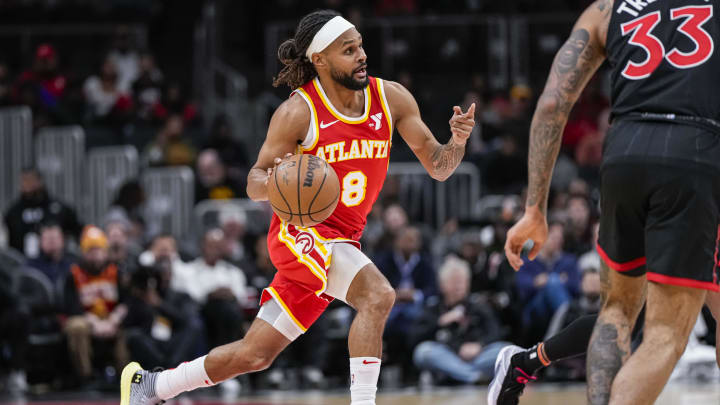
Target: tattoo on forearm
x,y
608,349
605,6
572,68
446,159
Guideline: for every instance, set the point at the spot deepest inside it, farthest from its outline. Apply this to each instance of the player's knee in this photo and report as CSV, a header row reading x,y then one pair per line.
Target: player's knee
x,y
383,299
380,299
629,308
671,341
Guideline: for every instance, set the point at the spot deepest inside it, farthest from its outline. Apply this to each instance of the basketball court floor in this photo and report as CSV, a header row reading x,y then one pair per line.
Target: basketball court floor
x,y
539,394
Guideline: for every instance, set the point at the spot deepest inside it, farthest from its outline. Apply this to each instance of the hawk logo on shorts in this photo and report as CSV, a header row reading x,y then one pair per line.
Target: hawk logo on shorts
x,y
304,242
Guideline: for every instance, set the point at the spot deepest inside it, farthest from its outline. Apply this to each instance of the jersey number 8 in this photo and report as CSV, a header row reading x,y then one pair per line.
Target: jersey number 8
x,y
641,28
353,185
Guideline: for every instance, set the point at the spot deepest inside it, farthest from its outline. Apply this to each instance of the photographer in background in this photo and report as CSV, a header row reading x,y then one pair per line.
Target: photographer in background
x,y
163,326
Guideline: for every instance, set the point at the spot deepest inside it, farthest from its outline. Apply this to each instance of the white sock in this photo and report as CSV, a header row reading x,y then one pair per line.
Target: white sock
x,y
364,373
185,377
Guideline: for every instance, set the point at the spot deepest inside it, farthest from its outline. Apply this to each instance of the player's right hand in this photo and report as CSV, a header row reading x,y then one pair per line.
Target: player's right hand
x,y
276,162
533,225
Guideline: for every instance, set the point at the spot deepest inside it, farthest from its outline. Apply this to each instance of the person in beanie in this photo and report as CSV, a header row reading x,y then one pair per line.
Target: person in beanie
x,y
93,304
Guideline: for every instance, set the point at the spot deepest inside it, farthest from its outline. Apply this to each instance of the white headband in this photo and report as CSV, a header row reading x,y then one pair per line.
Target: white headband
x,y
327,34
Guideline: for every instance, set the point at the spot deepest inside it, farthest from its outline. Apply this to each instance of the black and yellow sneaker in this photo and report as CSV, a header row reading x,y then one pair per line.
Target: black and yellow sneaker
x,y
137,386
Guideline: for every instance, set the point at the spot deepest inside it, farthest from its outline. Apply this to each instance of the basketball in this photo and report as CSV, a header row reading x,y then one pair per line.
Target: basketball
x,y
303,190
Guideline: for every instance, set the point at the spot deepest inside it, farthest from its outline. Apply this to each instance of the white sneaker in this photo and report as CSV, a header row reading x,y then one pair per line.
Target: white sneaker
x,y
230,389
17,382
509,381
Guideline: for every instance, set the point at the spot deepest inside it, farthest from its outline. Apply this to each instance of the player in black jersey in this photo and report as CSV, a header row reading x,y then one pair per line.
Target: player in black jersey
x,y
660,181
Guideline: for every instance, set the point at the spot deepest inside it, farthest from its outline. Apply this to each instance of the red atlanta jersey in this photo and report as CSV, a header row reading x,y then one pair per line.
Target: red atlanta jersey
x,y
358,148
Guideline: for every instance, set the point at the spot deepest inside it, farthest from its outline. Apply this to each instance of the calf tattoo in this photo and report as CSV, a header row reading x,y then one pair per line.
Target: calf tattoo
x,y
605,357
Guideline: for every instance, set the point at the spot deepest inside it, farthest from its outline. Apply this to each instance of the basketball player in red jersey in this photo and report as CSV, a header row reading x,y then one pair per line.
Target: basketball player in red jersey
x,y
341,114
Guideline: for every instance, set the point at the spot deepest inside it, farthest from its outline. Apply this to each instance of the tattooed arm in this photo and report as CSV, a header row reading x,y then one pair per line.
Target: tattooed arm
x,y
574,66
572,69
440,161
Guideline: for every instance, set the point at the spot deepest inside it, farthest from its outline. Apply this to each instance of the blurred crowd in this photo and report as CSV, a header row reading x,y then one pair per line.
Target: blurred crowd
x,y
96,295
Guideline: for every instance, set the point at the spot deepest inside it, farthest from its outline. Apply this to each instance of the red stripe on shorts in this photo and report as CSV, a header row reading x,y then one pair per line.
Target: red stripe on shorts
x,y
626,266
682,282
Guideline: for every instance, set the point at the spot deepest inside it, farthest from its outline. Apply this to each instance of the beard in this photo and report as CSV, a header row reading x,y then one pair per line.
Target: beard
x,y
348,81
93,267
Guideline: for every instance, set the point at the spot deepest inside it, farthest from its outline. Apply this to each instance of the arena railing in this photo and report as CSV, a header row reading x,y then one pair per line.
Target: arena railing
x,y
15,151
108,169
430,201
60,157
170,196
255,215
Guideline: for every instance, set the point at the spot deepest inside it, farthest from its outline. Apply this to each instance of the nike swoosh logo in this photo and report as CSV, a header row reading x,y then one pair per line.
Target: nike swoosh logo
x,y
370,362
324,125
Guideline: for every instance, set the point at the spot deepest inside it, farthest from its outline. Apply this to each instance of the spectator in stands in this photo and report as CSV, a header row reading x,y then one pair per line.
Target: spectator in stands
x,y
121,251
261,271
231,150
394,219
106,100
163,326
124,56
548,282
459,334
579,228
94,305
591,258
34,206
163,248
218,286
44,75
213,182
147,88
170,148
233,221
588,153
412,275
15,319
506,167
174,102
42,87
128,207
54,260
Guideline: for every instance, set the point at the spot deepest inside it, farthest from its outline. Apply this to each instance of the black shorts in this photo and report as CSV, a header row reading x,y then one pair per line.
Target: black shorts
x,y
660,203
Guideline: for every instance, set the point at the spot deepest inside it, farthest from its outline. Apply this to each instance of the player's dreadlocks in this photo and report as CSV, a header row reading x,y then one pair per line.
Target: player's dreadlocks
x,y
298,69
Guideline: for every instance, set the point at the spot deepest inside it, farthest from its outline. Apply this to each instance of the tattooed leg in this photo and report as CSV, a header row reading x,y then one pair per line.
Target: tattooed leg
x,y
610,343
670,316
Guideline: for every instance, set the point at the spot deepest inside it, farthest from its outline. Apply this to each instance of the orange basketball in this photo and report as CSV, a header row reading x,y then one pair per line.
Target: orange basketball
x,y
303,190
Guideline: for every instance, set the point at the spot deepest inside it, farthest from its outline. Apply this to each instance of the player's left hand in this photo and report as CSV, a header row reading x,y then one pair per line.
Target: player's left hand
x,y
461,124
533,225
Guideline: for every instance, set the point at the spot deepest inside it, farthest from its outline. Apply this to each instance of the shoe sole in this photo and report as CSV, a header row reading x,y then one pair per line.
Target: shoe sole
x,y
126,382
502,364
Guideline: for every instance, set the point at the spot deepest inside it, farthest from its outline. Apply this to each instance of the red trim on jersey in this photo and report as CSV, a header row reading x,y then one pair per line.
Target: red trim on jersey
x,y
682,282
625,266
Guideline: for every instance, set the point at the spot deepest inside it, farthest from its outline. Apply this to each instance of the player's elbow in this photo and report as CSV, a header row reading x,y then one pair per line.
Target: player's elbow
x,y
436,175
547,104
